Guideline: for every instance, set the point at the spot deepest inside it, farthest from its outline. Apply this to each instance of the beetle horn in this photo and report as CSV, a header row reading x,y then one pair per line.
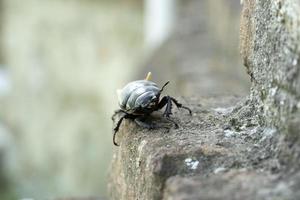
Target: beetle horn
x,y
148,77
164,86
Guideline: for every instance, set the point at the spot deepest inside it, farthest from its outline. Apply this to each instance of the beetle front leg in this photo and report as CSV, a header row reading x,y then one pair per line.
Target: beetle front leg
x,y
179,105
116,130
166,100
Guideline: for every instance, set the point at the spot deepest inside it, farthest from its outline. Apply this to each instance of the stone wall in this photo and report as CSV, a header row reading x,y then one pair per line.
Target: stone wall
x,y
270,36
232,147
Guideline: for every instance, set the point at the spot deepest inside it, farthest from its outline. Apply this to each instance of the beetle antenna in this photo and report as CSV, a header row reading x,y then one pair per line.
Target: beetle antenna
x,y
164,86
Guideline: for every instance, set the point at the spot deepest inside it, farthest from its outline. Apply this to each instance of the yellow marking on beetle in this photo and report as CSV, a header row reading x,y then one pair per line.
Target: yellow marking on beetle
x,y
149,76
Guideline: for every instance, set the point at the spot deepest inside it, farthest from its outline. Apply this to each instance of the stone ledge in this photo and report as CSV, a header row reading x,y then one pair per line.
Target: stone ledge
x,y
231,148
209,142
232,185
270,37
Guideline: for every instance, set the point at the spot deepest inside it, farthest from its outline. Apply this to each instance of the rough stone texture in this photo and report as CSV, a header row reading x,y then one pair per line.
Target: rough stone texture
x,y
146,158
232,147
270,38
233,185
220,149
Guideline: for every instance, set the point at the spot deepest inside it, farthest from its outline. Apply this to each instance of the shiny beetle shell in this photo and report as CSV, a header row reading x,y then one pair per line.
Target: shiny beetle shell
x,y
137,94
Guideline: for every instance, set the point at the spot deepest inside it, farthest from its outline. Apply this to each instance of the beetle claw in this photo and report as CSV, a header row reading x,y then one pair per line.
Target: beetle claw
x,y
114,139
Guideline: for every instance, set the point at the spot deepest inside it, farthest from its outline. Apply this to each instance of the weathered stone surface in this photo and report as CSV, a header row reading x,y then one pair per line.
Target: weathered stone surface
x,y
209,142
218,153
233,185
270,38
232,147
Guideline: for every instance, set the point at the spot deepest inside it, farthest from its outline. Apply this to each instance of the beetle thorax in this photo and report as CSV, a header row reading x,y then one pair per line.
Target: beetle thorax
x,y
137,95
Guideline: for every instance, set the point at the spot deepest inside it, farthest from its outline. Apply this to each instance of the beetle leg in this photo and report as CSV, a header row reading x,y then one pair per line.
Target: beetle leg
x,y
116,130
179,105
170,120
168,110
166,100
162,102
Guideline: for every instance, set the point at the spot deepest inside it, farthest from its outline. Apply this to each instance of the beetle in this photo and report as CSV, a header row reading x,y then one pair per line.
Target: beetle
x,y
138,99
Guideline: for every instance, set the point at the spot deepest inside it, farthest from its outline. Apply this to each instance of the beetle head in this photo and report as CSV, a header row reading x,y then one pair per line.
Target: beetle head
x,y
153,102
153,99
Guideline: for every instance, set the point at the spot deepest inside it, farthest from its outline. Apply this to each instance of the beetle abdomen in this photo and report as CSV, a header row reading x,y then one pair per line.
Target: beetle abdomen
x,y
137,93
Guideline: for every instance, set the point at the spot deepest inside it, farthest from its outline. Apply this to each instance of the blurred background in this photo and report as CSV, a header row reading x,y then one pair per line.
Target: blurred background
x,y
61,62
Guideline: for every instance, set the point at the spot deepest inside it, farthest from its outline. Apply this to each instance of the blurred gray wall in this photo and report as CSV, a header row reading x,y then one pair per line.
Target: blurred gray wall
x,y
65,59
204,43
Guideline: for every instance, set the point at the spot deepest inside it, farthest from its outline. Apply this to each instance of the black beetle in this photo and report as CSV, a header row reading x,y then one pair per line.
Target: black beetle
x,y
138,99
